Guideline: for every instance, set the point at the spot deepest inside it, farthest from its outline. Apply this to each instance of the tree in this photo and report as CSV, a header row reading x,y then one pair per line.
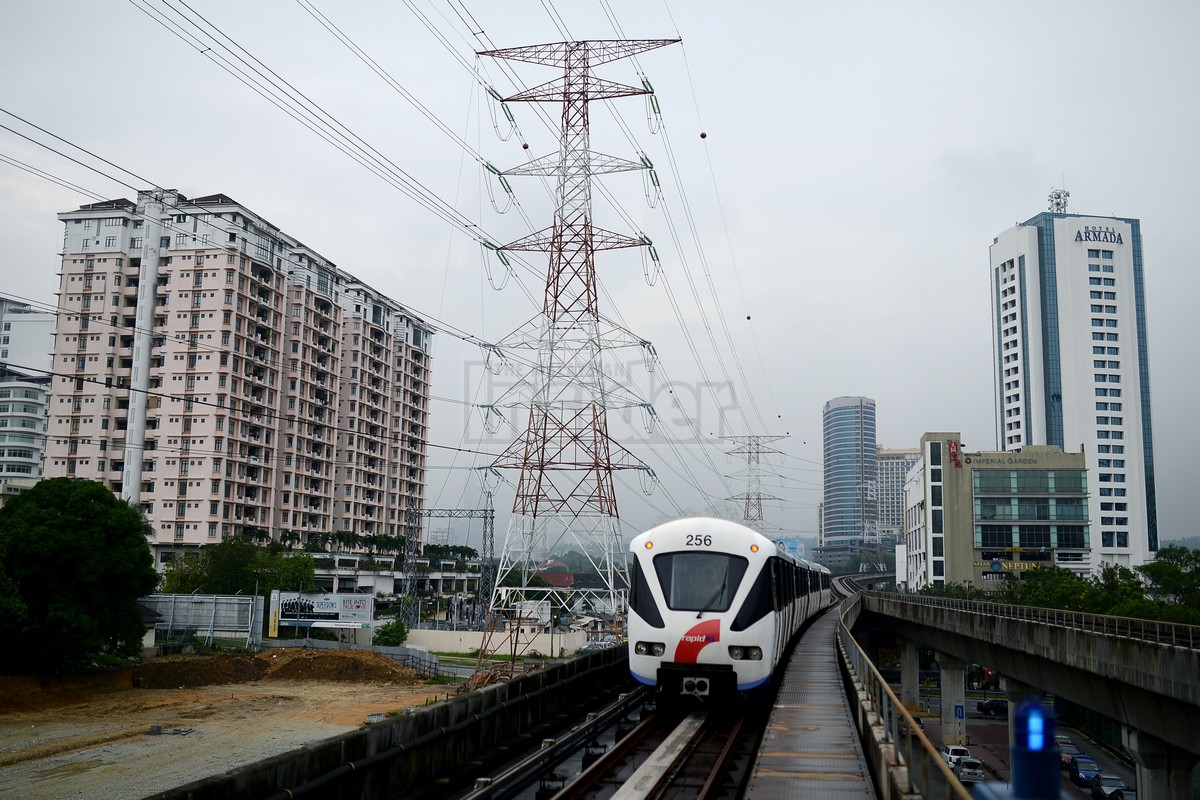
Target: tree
x,y
391,634
1174,575
12,608
958,591
1045,586
238,565
79,560
1116,591
346,540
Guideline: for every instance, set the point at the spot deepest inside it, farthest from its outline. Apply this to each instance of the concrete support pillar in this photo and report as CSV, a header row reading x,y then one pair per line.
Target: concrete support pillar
x,y
954,707
1017,693
910,674
1163,770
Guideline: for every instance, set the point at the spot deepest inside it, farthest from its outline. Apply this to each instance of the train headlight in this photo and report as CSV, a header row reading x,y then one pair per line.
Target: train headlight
x,y
650,649
754,654
736,653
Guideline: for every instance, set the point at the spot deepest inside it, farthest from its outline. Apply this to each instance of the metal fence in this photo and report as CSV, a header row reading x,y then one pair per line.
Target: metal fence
x,y
924,773
1168,633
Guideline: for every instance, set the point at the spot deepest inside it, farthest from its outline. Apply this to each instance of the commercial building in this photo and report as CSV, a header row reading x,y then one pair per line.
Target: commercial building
x,y
977,518
850,507
226,378
1071,368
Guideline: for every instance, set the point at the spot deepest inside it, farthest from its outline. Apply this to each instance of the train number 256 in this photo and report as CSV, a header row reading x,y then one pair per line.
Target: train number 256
x,y
698,540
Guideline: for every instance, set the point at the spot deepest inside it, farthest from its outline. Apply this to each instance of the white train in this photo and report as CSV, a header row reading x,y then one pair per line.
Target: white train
x,y
713,605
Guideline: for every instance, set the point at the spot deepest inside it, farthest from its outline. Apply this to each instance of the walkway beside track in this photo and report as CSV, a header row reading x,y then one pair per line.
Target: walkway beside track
x,y
811,747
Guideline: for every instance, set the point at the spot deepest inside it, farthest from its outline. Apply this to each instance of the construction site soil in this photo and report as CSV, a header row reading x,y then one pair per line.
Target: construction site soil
x,y
130,733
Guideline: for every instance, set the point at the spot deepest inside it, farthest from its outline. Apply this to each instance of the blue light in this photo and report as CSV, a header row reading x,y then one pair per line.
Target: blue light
x,y
1035,730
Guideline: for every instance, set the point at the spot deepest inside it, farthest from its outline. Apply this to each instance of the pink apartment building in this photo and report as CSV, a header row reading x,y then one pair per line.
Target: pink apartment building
x,y
224,377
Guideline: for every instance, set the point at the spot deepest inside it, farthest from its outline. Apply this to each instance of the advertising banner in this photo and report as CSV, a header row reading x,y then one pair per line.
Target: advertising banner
x,y
320,610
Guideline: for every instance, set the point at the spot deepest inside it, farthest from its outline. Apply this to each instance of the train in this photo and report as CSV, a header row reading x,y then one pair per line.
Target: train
x,y
713,606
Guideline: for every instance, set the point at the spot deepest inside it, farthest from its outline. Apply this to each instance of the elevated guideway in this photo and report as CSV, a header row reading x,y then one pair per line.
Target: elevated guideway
x,y
1144,674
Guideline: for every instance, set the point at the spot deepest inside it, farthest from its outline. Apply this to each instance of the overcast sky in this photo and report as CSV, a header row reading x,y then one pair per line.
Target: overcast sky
x,y
832,176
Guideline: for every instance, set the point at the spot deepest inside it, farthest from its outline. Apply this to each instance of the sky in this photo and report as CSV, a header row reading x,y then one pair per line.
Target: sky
x,y
831,178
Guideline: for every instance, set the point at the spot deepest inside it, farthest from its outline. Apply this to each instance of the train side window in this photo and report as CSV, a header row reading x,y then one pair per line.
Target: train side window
x,y
757,604
641,600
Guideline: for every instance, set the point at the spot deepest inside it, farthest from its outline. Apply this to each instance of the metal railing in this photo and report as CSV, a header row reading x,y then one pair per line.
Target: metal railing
x,y
925,771
1167,633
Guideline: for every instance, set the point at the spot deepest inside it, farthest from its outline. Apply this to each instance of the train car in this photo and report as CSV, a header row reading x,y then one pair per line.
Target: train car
x,y
713,606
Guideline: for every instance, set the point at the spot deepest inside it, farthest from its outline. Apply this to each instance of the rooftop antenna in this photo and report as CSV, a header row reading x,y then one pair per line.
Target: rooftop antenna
x,y
1058,200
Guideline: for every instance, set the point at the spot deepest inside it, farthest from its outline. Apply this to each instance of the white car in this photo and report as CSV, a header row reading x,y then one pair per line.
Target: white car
x,y
953,753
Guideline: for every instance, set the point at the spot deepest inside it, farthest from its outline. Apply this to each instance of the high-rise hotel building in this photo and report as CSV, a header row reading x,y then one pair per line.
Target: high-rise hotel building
x,y
1071,369
225,378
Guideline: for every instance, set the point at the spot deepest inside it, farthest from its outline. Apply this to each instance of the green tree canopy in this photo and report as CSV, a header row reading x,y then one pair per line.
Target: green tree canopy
x,y
237,564
1174,575
1048,587
78,558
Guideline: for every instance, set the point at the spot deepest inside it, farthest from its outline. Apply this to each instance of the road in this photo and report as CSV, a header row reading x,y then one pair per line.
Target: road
x,y
987,739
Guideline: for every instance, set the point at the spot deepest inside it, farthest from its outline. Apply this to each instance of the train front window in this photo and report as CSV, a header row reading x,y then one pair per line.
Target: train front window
x,y
699,581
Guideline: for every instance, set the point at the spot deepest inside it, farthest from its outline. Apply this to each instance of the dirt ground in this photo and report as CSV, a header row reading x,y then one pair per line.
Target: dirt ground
x,y
89,736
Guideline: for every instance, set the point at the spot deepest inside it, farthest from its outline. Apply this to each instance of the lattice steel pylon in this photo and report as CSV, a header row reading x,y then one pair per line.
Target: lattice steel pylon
x,y
565,457
752,447
411,610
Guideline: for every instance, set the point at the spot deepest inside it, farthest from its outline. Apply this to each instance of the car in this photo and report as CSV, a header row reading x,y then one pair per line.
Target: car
x,y
1066,752
995,707
969,770
952,753
1083,768
1109,787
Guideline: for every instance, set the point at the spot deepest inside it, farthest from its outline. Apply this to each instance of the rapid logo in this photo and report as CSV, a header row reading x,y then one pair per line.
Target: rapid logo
x,y
695,640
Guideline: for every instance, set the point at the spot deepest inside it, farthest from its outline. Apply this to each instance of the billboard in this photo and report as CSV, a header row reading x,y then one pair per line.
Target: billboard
x,y
320,610
794,546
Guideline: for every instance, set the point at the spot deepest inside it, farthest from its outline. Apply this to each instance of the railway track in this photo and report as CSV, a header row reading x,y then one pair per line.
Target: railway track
x,y
706,754
633,751
637,752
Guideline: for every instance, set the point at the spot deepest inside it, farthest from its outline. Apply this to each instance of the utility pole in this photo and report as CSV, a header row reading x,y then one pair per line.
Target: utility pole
x,y
566,457
752,447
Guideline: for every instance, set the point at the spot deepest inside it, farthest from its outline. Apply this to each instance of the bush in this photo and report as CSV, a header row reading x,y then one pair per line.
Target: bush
x,y
391,634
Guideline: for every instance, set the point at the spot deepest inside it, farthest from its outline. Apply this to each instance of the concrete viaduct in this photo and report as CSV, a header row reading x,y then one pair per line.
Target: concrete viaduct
x,y
1145,675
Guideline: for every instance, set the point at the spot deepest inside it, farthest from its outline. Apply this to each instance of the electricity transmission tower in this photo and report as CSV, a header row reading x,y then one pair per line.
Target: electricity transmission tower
x,y
565,456
411,611
752,447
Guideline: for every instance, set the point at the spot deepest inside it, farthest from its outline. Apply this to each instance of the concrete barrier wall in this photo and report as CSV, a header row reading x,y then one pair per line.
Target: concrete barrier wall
x,y
556,645
428,747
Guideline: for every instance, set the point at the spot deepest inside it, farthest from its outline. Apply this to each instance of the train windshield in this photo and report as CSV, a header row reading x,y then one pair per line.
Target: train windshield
x,y
699,581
